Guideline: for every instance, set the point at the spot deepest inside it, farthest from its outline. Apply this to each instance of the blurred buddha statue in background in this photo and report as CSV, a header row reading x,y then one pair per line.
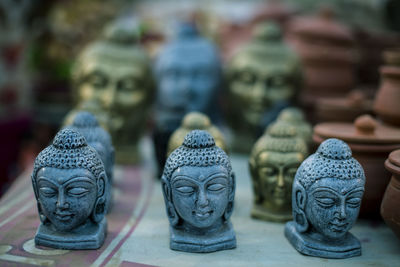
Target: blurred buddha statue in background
x,y
188,76
113,81
263,77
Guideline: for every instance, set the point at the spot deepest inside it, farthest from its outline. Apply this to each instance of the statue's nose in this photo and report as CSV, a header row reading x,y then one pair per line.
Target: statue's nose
x,y
61,201
202,200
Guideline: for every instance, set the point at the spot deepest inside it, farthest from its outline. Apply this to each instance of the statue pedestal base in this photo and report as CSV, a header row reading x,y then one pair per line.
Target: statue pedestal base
x,y
189,242
347,247
90,236
263,214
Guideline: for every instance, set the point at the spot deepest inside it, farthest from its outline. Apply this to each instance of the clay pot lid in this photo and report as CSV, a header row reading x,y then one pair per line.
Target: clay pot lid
x,y
322,26
394,158
365,130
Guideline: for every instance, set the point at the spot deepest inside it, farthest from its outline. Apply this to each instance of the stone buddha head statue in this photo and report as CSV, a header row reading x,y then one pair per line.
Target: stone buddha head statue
x,y
263,78
87,124
70,185
113,80
273,163
188,76
199,188
294,116
195,121
326,199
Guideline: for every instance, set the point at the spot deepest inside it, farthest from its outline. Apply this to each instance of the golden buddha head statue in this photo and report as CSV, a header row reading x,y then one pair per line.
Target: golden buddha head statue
x,y
195,121
273,163
263,78
113,80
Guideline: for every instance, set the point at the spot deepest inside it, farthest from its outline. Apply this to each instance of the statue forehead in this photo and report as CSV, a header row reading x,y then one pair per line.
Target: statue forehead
x,y
340,186
113,67
279,158
259,65
62,176
198,173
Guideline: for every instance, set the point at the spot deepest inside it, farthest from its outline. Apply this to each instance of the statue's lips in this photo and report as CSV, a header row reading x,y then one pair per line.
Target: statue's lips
x,y
63,216
202,214
338,227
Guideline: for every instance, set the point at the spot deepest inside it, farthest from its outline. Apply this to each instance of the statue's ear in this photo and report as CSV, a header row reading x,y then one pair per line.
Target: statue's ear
x,y
99,209
299,198
229,209
42,218
169,206
255,182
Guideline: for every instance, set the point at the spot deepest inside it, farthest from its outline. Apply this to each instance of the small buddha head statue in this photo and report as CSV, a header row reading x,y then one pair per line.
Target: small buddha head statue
x,y
195,121
113,80
198,185
273,163
327,192
86,124
188,75
263,78
295,117
69,182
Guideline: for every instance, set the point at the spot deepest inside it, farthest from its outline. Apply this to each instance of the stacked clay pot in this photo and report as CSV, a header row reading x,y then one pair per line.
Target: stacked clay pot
x,y
371,142
390,204
327,51
387,100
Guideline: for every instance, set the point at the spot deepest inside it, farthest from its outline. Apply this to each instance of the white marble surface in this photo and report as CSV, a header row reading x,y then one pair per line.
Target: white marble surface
x,y
258,243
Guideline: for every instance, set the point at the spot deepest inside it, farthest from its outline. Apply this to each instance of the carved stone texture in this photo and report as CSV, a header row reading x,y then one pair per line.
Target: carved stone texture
x,y
188,76
199,189
70,186
195,121
326,199
295,117
263,77
112,79
87,124
273,164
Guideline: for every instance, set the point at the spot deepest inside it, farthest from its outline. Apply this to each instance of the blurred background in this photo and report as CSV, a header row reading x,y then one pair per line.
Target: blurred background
x,y
40,39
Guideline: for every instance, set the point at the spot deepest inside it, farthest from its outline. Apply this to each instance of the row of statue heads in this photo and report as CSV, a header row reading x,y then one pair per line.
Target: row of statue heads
x,y
320,195
114,79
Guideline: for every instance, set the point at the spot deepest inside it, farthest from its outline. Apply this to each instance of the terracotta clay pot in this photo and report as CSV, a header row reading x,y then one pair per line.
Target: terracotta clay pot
x,y
327,51
390,204
343,109
388,96
371,142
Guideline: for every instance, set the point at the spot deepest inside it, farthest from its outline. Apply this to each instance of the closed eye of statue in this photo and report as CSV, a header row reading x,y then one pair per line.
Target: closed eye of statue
x,y
47,191
77,191
216,187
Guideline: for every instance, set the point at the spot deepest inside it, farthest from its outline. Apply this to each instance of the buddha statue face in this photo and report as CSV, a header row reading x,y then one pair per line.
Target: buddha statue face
x,y
70,187
188,74
199,188
276,171
273,164
67,197
113,81
326,199
201,194
263,78
332,206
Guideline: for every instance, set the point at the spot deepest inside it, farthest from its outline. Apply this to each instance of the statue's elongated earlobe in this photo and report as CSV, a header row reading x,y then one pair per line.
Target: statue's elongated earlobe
x,y
299,204
171,212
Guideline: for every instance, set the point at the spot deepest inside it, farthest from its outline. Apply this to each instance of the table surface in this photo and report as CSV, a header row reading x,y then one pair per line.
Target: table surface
x,y
138,231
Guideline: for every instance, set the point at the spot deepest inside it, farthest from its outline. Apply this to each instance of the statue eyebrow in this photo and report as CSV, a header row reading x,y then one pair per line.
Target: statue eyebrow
x,y
74,178
45,179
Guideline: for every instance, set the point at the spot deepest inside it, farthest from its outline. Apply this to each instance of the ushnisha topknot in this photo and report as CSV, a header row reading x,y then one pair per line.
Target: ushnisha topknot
x,y
69,150
87,124
279,137
333,159
198,149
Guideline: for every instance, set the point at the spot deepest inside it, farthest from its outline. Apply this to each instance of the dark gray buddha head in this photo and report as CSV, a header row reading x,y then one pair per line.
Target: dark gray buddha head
x,y
87,124
188,74
69,182
327,191
198,184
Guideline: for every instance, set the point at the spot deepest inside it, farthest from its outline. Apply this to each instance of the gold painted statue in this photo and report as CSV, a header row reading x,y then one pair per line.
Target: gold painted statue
x,y
273,164
264,77
295,117
195,121
113,80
